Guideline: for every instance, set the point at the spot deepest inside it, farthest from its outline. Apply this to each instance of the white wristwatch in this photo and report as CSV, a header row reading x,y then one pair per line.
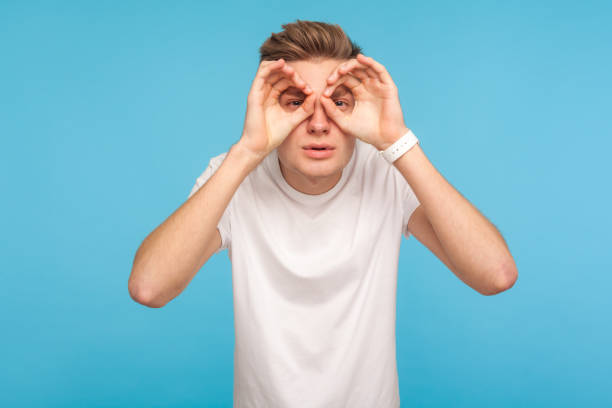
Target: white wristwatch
x,y
401,146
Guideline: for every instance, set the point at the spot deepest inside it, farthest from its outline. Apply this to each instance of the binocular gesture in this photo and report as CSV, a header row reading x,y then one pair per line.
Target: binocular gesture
x,y
267,123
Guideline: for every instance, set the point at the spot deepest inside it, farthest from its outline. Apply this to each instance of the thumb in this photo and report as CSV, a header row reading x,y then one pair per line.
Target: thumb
x,y
305,110
332,111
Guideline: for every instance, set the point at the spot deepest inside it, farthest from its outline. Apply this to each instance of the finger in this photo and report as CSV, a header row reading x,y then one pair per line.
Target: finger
x,y
274,82
268,62
270,74
360,73
290,73
260,89
347,80
275,76
371,73
297,79
308,105
333,112
344,69
266,66
274,86
279,87
330,107
358,69
378,68
265,71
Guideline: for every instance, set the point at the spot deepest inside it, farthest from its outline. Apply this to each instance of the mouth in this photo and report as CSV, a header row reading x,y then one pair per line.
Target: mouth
x,y
319,151
318,147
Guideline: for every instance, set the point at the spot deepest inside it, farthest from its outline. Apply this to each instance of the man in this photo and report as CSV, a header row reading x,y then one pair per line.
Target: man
x,y
312,215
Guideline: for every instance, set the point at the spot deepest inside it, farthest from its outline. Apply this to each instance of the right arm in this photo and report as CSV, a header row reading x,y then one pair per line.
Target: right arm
x,y
171,255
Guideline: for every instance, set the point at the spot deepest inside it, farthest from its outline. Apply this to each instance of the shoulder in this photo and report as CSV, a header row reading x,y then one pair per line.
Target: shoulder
x,y
368,155
385,172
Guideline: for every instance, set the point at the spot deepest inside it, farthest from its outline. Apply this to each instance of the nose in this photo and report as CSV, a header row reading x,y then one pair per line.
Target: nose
x,y
318,123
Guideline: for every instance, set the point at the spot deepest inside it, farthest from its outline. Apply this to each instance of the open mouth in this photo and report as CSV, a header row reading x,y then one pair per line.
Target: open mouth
x,y
319,148
319,152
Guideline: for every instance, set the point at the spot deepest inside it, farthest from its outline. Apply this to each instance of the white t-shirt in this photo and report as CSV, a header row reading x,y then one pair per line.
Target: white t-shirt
x,y
314,284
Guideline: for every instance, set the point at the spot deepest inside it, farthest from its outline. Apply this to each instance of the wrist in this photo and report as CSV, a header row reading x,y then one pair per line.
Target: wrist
x,y
398,148
392,138
246,156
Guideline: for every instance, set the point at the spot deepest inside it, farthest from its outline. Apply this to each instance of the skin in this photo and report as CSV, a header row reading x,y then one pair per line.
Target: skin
x,y
449,225
306,174
446,222
337,119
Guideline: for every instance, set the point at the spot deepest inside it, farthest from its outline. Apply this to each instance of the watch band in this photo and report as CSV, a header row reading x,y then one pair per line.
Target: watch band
x,y
401,146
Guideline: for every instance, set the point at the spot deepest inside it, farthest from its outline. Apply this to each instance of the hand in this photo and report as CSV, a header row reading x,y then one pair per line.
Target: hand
x,y
267,124
377,116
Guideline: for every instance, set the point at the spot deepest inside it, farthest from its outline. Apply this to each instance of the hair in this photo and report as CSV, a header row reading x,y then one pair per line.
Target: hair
x,y
304,40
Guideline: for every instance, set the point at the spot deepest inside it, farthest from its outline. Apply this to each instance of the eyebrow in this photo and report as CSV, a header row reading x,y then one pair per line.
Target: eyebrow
x,y
293,91
340,90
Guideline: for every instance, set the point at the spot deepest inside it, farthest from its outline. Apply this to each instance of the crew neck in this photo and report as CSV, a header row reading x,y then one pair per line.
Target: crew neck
x,y
309,198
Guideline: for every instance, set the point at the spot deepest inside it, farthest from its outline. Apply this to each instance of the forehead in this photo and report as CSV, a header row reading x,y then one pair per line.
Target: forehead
x,y
315,72
316,64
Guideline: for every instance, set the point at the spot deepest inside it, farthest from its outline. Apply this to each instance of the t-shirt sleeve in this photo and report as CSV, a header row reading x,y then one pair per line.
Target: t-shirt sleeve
x,y
410,202
224,225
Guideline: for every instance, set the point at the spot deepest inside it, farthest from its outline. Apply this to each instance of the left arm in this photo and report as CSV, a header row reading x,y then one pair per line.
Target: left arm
x,y
473,245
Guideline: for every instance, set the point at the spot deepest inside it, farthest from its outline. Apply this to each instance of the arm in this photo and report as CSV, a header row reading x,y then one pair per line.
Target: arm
x,y
473,245
171,255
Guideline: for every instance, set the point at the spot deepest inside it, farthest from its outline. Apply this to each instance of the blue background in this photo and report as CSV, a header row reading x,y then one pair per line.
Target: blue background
x,y
109,111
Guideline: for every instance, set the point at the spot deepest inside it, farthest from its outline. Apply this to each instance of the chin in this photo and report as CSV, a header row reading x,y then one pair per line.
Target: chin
x,y
321,168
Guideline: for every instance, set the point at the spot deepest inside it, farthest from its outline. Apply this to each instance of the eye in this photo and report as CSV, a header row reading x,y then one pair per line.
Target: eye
x,y
343,103
293,103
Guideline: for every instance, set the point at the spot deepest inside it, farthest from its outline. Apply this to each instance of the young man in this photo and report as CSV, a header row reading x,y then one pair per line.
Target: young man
x,y
312,215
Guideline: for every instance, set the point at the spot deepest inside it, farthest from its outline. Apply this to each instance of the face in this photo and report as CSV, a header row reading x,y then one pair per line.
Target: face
x,y
307,171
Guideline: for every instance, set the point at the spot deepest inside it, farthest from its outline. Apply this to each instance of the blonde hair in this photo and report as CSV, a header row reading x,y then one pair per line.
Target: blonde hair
x,y
305,40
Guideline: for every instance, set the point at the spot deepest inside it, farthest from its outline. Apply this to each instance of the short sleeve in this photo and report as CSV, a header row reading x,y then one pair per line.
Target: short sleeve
x,y
224,223
410,203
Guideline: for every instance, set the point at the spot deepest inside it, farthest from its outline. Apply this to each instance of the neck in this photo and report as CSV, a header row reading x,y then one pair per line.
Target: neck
x,y
309,185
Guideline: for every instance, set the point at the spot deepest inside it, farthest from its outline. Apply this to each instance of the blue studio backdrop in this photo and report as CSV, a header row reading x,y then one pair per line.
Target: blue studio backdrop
x,y
109,111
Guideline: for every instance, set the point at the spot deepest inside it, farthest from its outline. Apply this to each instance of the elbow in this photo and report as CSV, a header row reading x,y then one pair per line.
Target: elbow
x,y
509,274
140,291
507,279
143,295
